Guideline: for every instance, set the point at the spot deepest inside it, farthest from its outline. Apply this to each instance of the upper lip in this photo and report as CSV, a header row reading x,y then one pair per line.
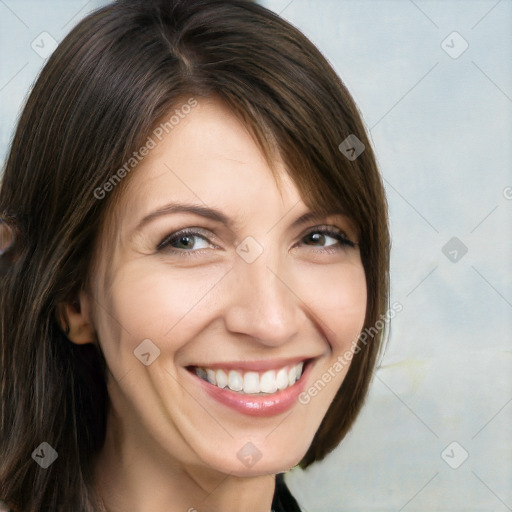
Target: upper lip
x,y
261,365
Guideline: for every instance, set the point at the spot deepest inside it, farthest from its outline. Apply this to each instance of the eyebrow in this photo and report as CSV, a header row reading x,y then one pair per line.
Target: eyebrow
x,y
218,216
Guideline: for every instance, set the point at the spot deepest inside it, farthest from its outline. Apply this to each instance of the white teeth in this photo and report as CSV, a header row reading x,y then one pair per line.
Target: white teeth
x,y
252,382
221,378
210,374
268,382
292,376
282,379
235,381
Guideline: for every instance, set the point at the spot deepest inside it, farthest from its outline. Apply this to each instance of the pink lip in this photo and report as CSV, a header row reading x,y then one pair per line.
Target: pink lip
x,y
254,405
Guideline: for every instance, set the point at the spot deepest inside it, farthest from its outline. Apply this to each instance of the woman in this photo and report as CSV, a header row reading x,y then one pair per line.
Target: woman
x,y
194,238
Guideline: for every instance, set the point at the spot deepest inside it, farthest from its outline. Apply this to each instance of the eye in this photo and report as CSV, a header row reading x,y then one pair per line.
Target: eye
x,y
187,240
327,236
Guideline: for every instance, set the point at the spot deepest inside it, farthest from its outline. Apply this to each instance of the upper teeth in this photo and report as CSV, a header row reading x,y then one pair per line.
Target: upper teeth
x,y
252,382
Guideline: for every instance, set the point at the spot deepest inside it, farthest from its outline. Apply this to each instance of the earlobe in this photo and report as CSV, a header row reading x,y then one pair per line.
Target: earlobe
x,y
75,320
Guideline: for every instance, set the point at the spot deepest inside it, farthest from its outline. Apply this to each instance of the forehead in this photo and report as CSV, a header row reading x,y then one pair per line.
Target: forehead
x,y
209,155
208,158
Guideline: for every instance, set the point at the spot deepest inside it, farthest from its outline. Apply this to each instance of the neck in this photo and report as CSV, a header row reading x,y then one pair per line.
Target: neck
x,y
131,474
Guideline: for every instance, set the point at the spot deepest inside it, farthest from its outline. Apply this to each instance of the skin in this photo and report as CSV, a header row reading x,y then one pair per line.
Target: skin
x,y
169,446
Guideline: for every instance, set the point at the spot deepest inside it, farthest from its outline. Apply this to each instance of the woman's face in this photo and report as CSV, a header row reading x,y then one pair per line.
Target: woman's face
x,y
209,274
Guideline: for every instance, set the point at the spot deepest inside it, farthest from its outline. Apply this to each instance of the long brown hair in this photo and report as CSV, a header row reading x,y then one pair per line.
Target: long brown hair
x,y
95,102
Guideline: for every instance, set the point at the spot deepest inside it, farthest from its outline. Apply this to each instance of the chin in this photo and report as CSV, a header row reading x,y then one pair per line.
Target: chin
x,y
258,457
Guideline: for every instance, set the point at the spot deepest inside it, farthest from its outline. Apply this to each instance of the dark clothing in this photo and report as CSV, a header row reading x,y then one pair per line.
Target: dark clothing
x,y
283,500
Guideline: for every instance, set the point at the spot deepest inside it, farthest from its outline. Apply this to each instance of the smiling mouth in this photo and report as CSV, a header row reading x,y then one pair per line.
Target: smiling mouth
x,y
251,382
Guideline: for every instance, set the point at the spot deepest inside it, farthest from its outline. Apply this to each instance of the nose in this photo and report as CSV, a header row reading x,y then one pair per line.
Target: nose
x,y
262,303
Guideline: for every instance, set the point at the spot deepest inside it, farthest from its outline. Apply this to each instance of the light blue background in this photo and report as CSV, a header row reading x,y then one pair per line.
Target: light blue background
x,y
442,131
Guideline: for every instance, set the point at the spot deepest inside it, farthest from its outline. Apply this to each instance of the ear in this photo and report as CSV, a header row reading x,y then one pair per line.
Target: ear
x,y
74,318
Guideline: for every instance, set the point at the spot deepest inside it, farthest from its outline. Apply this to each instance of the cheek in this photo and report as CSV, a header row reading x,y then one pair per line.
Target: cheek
x,y
170,306
146,302
337,299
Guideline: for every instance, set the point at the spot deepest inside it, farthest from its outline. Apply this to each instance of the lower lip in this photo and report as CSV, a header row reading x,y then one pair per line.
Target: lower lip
x,y
255,405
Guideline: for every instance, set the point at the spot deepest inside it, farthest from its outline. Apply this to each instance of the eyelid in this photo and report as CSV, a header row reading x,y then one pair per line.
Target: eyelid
x,y
192,230
330,227
330,230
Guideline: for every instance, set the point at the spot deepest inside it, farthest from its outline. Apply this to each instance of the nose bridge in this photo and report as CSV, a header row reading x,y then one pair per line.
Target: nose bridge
x,y
262,305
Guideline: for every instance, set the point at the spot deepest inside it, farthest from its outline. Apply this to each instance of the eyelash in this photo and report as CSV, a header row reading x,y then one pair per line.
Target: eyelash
x,y
336,233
